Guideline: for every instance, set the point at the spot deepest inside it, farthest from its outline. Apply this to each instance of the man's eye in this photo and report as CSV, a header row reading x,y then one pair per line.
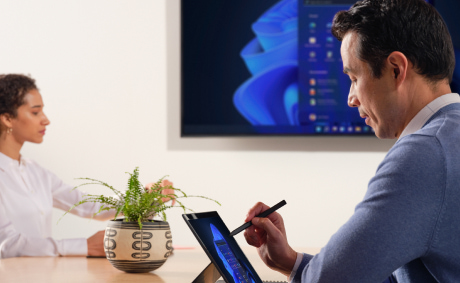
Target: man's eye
x,y
35,113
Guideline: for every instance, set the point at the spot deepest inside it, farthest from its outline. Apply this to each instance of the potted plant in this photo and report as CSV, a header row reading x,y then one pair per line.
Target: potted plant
x,y
136,243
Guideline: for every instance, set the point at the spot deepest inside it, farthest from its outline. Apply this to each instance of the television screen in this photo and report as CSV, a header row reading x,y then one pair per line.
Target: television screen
x,y
264,67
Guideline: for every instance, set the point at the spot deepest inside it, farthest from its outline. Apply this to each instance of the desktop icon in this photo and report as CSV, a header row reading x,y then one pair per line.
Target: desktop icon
x,y
312,54
312,40
312,117
318,129
329,54
312,91
329,39
312,82
312,102
312,25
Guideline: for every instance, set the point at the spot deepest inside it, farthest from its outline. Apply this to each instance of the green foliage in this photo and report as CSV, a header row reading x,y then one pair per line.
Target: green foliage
x,y
137,203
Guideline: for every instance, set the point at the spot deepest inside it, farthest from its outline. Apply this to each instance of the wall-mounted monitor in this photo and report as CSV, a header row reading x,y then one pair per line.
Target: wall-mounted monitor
x,y
264,67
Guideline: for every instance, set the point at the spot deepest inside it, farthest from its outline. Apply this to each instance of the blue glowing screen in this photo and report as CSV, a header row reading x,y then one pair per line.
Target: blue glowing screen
x,y
227,255
234,267
267,67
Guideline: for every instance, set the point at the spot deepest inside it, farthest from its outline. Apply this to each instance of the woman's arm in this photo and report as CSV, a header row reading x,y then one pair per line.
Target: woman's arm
x,y
65,197
14,243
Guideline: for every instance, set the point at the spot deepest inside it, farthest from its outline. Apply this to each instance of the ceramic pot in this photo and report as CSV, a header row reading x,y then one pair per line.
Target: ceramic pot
x,y
133,250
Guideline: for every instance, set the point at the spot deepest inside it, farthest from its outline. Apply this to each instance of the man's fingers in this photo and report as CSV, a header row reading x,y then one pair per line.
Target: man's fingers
x,y
267,225
253,240
257,209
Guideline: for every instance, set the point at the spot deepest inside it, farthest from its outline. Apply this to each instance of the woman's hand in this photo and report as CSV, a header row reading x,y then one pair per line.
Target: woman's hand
x,y
96,244
166,184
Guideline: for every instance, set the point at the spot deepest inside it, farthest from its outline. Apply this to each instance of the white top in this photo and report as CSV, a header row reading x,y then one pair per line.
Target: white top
x,y
28,192
425,114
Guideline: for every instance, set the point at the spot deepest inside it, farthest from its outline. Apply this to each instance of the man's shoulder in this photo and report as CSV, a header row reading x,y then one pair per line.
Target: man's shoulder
x,y
421,148
416,148
444,124
437,140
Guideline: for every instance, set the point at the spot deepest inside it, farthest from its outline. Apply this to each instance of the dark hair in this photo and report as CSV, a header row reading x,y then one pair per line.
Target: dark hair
x,y
13,88
412,27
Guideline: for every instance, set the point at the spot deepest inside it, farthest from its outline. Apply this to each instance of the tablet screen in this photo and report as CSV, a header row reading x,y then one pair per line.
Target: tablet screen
x,y
223,250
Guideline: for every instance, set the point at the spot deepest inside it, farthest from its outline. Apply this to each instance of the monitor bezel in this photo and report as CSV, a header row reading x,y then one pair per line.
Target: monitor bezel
x,y
209,214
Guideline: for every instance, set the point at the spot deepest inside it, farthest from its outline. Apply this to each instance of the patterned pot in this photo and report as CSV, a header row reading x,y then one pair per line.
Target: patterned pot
x,y
132,250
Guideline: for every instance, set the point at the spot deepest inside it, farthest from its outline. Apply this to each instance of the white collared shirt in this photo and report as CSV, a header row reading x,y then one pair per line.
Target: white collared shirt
x,y
28,192
428,111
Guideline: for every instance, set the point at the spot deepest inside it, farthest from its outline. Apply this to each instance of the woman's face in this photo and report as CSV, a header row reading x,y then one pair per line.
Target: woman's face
x,y
30,123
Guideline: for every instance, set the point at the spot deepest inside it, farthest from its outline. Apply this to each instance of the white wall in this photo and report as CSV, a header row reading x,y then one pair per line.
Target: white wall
x,y
108,71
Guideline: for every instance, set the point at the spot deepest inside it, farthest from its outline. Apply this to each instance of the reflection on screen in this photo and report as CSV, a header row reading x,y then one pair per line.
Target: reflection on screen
x,y
233,266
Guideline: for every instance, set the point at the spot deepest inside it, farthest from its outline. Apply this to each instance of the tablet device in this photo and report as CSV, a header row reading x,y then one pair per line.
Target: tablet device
x,y
223,251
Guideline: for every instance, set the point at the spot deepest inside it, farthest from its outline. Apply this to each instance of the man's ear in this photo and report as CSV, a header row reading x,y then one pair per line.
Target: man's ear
x,y
399,65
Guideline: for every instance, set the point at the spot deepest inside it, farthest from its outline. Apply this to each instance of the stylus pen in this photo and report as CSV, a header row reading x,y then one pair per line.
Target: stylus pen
x,y
263,214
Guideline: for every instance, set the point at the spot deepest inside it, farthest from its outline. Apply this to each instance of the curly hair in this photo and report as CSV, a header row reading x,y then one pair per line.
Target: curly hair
x,y
412,27
13,88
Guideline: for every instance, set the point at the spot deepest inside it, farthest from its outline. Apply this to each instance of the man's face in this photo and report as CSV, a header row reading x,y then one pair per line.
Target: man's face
x,y
376,99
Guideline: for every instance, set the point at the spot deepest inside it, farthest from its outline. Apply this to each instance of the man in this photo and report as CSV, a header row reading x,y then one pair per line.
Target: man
x,y
400,59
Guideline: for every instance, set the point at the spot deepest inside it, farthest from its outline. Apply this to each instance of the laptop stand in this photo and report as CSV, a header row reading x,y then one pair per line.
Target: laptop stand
x,y
209,275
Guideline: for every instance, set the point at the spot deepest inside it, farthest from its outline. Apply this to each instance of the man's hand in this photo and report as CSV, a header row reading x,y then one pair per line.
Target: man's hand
x,y
166,191
268,235
96,244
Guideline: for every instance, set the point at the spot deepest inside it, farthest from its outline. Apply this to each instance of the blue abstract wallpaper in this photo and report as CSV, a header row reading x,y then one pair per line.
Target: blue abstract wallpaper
x,y
269,67
224,250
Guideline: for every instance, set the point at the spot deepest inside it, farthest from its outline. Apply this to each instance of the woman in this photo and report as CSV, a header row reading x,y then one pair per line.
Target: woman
x,y
28,192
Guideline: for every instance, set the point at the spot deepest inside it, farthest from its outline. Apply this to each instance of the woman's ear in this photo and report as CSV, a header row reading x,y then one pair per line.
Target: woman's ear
x,y
5,120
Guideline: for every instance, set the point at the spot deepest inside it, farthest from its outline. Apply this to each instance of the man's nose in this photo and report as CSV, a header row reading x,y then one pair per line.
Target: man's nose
x,y
353,100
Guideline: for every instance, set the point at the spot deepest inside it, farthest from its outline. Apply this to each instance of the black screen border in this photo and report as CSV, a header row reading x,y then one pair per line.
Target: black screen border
x,y
209,214
243,130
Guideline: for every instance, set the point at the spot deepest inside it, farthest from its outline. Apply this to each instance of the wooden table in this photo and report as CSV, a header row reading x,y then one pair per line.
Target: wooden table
x,y
182,267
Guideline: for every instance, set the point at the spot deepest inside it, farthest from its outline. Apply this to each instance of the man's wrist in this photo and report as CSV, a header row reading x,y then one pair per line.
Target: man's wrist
x,y
296,266
290,262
